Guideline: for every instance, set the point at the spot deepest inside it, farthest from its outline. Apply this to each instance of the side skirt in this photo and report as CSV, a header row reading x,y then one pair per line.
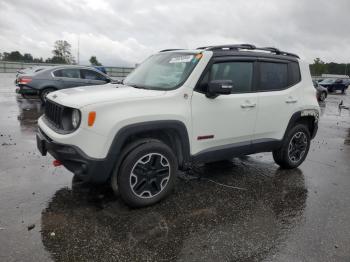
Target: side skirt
x,y
237,149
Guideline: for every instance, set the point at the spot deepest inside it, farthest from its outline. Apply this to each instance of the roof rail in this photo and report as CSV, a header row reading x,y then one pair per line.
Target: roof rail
x,y
248,47
229,47
166,50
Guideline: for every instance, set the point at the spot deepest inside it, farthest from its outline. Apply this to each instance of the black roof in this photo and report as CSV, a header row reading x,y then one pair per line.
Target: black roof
x,y
234,49
245,50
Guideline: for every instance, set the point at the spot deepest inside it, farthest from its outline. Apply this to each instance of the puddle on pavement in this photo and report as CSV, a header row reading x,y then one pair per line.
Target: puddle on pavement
x,y
29,111
200,220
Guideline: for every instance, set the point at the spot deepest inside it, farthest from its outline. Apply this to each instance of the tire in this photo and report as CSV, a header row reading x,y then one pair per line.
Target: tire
x,y
45,92
294,149
323,96
139,189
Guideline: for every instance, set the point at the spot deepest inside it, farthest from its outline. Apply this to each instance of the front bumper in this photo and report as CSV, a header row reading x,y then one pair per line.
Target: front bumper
x,y
314,131
76,161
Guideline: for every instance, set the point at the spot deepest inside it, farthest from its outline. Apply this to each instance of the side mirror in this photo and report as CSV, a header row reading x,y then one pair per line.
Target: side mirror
x,y
219,87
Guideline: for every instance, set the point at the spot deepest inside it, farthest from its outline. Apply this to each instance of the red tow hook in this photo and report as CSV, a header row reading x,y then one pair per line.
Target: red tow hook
x,y
56,163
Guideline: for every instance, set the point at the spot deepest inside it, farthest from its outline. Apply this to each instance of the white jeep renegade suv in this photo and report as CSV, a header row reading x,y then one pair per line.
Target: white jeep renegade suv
x,y
180,107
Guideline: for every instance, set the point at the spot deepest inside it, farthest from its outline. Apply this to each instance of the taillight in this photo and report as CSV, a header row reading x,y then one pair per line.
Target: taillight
x,y
23,80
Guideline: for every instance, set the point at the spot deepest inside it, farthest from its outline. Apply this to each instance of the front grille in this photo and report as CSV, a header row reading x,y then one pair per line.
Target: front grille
x,y
53,113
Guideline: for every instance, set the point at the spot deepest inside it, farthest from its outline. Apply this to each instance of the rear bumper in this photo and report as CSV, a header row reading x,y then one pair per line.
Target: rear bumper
x,y
26,90
75,160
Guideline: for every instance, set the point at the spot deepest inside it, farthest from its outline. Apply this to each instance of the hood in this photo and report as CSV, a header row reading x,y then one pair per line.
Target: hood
x,y
82,96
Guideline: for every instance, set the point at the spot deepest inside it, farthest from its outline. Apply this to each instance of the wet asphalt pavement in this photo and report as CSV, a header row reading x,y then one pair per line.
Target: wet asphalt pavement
x,y
273,215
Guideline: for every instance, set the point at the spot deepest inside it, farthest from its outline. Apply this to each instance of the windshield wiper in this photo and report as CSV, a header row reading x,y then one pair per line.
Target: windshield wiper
x,y
137,86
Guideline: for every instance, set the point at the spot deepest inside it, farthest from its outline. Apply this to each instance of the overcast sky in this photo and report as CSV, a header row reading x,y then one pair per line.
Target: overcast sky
x,y
124,32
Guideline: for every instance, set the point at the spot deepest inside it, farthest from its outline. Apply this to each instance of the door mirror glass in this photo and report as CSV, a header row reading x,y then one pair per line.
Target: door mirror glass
x,y
219,87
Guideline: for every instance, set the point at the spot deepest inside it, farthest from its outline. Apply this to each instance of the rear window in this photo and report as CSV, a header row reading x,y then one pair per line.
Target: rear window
x,y
273,76
294,73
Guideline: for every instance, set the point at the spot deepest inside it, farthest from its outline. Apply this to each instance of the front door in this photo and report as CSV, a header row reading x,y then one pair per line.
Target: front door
x,y
227,120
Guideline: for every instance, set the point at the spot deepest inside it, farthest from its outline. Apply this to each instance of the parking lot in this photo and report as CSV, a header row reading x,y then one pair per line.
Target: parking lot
x,y
244,210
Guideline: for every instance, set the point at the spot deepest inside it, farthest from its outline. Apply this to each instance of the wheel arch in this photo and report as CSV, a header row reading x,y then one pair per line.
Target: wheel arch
x,y
309,117
171,132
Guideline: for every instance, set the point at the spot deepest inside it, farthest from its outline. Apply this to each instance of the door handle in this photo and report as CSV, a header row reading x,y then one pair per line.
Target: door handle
x,y
291,100
246,105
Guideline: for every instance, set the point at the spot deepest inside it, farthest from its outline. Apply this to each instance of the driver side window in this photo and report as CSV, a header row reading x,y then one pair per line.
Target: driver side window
x,y
240,73
91,75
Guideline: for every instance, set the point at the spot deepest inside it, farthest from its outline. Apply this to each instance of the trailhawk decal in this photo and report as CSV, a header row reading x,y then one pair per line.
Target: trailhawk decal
x,y
310,112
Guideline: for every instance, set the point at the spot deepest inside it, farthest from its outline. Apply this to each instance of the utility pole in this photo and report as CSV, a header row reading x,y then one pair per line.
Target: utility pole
x,y
78,58
346,67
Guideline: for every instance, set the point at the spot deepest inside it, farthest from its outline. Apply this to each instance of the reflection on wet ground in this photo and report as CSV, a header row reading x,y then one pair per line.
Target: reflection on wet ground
x,y
246,209
29,112
200,221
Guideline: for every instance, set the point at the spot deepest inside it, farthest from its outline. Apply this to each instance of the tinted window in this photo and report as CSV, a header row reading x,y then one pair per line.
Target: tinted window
x,y
57,73
294,73
273,76
92,75
71,73
239,72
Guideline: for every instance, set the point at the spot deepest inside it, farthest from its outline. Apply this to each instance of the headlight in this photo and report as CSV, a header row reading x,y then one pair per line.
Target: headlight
x,y
75,118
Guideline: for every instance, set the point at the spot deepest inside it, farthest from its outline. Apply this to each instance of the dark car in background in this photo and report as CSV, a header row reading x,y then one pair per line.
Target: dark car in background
x,y
49,79
321,92
333,84
101,68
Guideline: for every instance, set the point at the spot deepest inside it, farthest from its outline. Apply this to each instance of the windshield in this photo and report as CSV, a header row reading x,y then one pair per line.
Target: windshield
x,y
163,71
327,81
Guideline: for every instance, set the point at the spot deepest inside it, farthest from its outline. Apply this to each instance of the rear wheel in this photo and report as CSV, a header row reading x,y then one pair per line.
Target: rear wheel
x,y
147,174
294,149
45,92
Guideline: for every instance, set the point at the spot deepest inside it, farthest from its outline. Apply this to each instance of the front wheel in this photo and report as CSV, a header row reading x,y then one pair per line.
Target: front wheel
x,y
294,149
147,174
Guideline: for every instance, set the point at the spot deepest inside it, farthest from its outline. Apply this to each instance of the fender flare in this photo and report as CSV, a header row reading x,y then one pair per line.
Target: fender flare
x,y
124,133
297,116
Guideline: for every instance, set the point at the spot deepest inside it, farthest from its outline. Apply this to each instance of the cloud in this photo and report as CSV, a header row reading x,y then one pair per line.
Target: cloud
x,y
126,32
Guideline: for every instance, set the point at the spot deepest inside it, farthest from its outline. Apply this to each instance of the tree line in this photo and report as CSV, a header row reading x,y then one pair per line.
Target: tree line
x,y
319,67
61,54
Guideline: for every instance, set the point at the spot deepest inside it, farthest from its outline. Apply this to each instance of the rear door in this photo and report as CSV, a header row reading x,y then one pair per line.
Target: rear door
x,y
279,89
92,77
69,77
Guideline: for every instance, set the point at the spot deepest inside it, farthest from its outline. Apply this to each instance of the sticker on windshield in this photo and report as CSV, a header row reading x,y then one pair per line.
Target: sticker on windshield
x,y
181,59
